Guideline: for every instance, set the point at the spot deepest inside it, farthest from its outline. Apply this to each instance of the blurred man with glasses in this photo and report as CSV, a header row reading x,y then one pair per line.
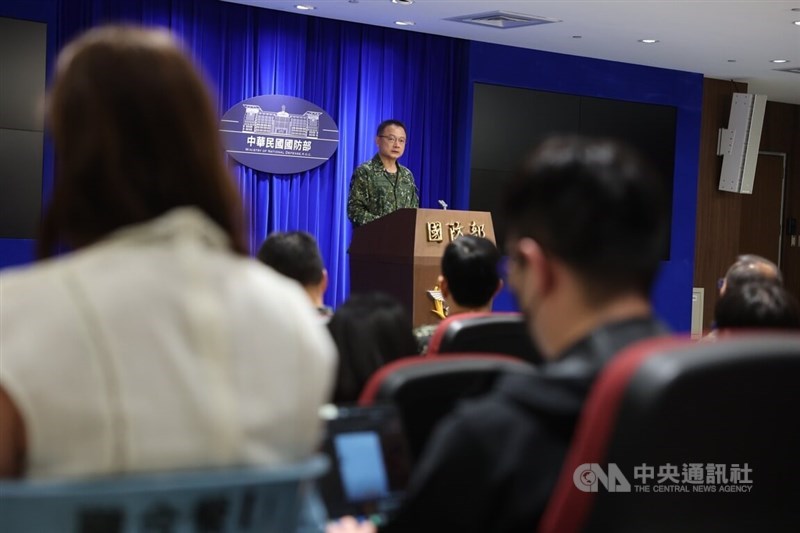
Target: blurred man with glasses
x,y
382,185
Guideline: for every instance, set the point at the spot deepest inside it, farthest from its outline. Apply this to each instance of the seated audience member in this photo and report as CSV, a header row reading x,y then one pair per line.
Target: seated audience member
x,y
295,254
586,228
469,281
757,304
369,330
750,267
746,268
156,343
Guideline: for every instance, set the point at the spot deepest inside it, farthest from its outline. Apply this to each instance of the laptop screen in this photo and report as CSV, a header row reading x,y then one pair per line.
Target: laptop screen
x,y
370,462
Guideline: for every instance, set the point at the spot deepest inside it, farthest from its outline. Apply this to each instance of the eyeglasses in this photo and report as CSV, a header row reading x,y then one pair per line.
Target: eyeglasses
x,y
392,139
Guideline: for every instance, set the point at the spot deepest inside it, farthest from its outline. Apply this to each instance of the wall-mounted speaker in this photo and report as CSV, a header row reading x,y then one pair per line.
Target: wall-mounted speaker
x,y
738,143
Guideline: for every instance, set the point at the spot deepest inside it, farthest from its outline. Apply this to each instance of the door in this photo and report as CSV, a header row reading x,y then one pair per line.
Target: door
x,y
761,215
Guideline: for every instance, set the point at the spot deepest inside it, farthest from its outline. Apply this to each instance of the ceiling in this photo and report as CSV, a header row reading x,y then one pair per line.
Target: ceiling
x,y
732,40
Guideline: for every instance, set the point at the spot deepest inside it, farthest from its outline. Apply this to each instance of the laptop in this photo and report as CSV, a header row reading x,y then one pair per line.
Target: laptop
x,y
370,462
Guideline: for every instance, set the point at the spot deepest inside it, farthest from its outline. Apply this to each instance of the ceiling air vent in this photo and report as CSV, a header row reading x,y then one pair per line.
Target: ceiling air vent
x,y
793,70
503,19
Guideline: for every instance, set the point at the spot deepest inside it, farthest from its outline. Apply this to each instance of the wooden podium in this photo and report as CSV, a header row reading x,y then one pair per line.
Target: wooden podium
x,y
400,254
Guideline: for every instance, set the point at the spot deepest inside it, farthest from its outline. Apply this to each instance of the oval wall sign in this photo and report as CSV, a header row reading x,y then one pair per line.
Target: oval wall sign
x,y
279,134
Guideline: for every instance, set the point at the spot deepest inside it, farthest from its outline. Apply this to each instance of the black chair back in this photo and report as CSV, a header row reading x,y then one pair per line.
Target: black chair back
x,y
504,333
426,389
707,435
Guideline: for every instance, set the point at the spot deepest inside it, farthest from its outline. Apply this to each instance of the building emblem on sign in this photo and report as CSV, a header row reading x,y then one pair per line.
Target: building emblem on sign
x,y
256,120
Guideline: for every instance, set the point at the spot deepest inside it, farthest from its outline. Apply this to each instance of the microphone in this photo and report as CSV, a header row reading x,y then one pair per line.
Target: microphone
x,y
444,205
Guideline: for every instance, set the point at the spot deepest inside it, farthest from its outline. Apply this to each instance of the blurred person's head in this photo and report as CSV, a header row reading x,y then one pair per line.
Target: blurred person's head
x,y
135,136
369,330
469,279
296,255
587,227
750,267
757,304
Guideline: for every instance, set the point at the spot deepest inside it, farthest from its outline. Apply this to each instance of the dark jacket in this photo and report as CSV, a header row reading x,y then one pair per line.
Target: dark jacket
x,y
491,465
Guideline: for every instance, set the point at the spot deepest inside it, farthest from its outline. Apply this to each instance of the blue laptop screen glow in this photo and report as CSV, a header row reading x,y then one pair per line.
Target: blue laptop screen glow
x,y
361,465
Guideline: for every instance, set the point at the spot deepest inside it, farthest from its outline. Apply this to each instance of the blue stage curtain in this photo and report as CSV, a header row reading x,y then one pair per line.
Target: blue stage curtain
x,y
359,74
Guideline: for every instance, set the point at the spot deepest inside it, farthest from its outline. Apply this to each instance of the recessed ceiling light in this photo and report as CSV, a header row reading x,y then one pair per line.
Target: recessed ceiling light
x,y
304,7
796,22
404,22
648,41
731,61
577,36
404,2
779,61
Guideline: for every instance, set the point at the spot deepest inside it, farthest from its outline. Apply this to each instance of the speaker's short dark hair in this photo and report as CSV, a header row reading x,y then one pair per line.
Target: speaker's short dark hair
x,y
597,206
469,265
294,254
390,122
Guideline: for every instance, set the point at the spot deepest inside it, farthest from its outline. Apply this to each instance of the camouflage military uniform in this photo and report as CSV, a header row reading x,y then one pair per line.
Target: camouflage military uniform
x,y
374,192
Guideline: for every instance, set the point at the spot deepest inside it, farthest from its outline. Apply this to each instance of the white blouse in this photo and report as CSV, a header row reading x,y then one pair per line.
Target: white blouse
x,y
158,348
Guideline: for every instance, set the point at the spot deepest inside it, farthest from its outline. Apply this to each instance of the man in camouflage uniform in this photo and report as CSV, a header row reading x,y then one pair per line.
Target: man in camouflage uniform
x,y
382,185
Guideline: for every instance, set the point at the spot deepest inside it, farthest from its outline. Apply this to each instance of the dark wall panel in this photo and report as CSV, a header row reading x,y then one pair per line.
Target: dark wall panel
x,y
23,64
508,121
572,75
23,47
20,183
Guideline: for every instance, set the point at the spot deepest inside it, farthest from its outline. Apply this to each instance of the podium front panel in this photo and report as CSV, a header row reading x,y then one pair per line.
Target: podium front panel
x,y
400,254
391,276
426,274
